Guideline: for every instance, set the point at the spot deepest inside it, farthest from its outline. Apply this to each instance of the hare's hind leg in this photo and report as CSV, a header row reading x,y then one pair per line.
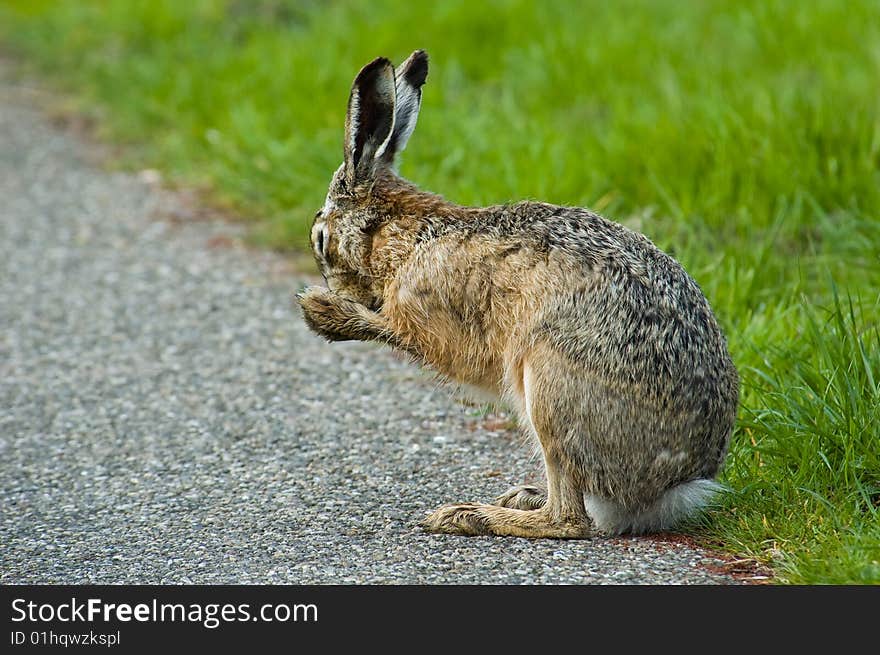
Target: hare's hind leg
x,y
523,496
562,515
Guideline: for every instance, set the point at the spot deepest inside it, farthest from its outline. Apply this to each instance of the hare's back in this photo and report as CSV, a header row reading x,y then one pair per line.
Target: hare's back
x,y
622,306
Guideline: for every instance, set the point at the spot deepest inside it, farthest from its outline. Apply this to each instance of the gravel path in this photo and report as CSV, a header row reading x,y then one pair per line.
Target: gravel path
x,y
165,417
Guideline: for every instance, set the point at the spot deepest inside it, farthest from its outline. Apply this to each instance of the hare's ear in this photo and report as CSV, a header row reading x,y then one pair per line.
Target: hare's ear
x,y
370,119
408,80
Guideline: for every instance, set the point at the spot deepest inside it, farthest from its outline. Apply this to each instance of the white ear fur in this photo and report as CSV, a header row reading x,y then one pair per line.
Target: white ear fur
x,y
409,78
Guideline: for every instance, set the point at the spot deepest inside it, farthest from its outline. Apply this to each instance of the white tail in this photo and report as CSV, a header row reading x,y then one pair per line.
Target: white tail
x,y
667,511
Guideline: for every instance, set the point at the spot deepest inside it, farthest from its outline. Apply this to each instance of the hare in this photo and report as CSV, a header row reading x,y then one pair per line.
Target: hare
x,y
602,344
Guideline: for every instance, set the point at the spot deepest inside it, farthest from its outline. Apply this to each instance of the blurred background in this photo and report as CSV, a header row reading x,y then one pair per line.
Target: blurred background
x,y
741,136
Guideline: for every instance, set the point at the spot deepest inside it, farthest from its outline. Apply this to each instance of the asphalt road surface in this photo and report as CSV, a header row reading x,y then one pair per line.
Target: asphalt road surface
x,y
165,416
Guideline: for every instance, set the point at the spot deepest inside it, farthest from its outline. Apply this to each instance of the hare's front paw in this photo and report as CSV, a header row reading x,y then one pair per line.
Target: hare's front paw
x,y
522,497
326,313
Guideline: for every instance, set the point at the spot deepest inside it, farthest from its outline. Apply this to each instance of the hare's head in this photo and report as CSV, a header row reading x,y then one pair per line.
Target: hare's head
x,y
382,112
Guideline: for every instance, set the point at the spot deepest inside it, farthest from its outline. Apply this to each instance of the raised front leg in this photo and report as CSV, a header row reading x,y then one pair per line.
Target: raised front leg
x,y
338,319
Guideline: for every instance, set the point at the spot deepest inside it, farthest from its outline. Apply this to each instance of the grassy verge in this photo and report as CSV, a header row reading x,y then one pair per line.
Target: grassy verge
x,y
742,136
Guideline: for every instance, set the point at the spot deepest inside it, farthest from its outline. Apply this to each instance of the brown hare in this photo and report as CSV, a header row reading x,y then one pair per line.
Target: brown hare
x,y
603,345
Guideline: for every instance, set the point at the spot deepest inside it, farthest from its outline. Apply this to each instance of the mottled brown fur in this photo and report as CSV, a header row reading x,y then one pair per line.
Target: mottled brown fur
x,y
604,346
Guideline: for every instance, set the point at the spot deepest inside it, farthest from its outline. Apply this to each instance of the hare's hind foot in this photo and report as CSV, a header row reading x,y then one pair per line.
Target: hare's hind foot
x,y
478,519
523,497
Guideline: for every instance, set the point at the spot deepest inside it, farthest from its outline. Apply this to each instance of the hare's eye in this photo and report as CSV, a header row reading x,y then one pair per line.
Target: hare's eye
x,y
321,238
325,241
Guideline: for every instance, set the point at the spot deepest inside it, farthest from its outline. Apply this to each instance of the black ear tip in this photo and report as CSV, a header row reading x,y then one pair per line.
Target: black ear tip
x,y
379,62
374,69
417,70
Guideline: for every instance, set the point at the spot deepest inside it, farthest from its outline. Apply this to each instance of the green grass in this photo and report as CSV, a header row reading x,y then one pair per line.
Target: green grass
x,y
742,136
